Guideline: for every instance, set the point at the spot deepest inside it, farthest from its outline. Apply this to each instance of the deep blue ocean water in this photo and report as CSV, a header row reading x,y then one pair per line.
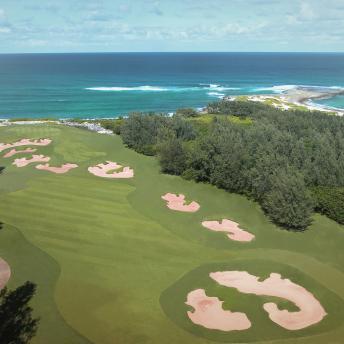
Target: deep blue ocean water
x,y
111,84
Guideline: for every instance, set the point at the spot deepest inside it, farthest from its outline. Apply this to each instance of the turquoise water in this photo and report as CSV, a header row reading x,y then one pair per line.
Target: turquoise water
x,y
336,102
107,85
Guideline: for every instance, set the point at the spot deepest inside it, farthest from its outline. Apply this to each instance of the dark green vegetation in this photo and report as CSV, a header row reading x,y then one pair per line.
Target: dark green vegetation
x,y
249,148
187,112
330,202
17,324
102,252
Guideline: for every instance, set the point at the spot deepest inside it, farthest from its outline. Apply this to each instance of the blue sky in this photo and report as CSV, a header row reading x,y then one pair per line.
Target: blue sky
x,y
171,25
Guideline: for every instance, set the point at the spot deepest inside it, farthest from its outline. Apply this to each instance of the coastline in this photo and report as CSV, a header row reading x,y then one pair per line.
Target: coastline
x,y
300,98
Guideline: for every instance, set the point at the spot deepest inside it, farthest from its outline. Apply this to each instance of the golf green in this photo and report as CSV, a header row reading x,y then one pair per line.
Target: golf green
x,y
114,265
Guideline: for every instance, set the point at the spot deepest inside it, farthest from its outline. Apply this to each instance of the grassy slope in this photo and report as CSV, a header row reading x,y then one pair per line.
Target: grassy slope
x,y
119,248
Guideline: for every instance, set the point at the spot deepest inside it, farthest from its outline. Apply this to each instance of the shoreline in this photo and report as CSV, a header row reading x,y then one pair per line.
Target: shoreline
x,y
297,98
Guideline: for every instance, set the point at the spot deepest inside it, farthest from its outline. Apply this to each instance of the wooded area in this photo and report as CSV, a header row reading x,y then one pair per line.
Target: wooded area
x,y
276,158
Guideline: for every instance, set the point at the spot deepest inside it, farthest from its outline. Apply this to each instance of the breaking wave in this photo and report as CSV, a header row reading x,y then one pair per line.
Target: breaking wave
x,y
147,88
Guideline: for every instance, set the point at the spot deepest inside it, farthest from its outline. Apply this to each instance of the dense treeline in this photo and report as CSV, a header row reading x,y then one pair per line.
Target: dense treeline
x,y
275,160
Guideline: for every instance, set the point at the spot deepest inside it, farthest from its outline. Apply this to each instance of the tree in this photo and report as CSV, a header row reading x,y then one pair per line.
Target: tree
x,y
274,160
17,325
172,156
289,203
183,129
330,202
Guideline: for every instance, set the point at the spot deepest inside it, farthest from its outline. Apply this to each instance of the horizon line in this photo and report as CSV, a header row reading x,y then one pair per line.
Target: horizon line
x,y
175,52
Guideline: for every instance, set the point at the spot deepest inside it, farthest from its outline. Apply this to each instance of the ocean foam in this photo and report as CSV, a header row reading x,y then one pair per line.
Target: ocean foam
x,y
217,87
277,89
284,88
216,94
147,88
120,89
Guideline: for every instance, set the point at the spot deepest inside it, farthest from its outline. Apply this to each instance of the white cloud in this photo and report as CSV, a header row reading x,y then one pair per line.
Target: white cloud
x,y
306,11
5,29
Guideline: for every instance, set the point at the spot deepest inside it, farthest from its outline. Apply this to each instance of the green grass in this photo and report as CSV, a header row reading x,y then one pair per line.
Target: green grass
x,y
209,118
104,253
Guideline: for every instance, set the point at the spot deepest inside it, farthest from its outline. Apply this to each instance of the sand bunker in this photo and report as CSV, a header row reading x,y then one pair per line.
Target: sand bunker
x,y
208,313
5,273
101,170
234,232
59,170
25,142
14,152
35,158
311,311
176,202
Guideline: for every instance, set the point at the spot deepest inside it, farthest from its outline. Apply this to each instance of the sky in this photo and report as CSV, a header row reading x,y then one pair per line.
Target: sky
x,y
171,25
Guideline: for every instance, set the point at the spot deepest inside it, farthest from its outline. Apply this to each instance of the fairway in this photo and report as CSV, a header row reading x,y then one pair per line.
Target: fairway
x,y
113,264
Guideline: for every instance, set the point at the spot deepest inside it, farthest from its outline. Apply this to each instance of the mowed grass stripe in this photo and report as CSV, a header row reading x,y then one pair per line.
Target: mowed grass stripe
x,y
83,181
38,199
70,218
67,192
115,205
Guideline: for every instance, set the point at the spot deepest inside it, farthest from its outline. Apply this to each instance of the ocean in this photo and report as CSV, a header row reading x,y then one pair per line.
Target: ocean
x,y
102,85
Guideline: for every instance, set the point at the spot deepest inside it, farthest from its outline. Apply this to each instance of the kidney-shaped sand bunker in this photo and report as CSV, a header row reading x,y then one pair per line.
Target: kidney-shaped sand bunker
x,y
208,312
311,311
245,301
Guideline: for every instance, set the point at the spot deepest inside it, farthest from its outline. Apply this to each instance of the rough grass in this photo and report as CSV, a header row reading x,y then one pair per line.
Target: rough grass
x,y
118,248
209,118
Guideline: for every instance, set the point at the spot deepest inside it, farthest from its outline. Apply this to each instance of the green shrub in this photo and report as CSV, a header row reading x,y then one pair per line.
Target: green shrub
x,y
330,202
187,112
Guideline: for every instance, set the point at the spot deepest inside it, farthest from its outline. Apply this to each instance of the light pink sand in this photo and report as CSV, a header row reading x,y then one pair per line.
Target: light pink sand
x,y
35,158
208,313
5,273
14,152
311,311
101,170
62,169
25,142
234,232
176,202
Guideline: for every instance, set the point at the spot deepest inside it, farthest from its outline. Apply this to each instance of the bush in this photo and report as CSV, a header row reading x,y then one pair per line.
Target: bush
x,y
172,156
330,202
187,112
288,203
112,124
140,132
238,108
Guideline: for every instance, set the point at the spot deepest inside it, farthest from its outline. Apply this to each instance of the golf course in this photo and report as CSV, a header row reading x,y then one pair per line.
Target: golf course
x,y
113,264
